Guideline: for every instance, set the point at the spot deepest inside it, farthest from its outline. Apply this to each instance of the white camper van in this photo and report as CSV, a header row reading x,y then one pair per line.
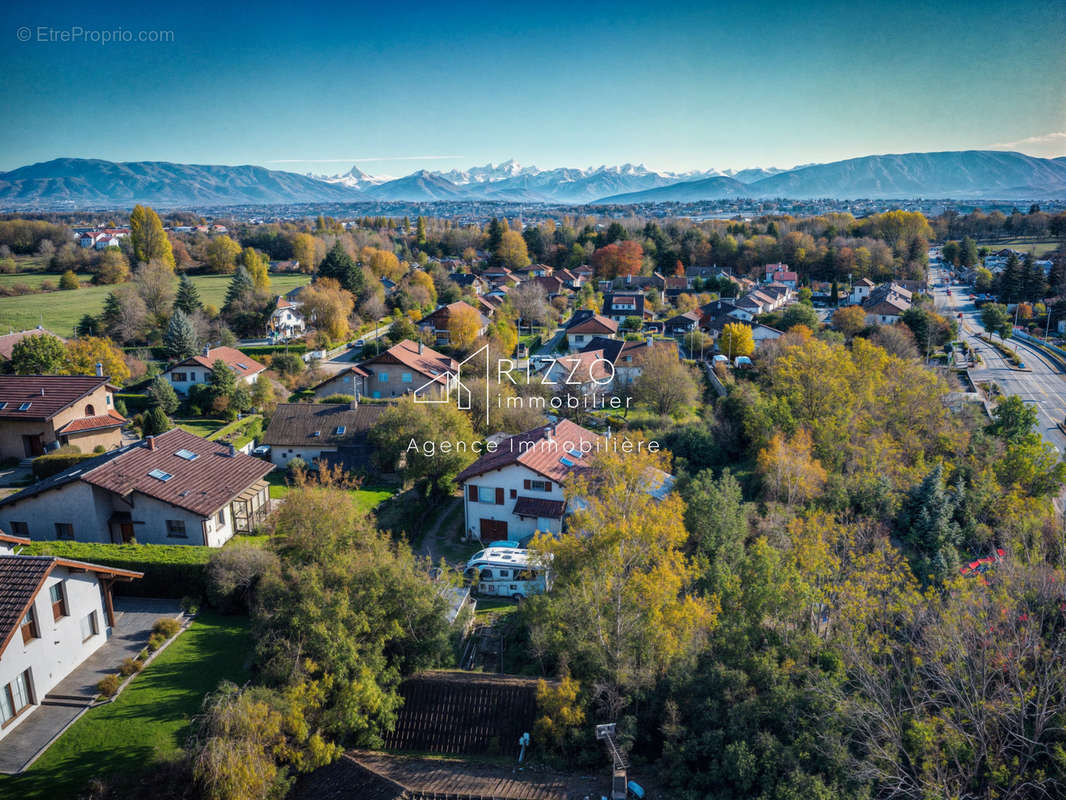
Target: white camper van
x,y
507,572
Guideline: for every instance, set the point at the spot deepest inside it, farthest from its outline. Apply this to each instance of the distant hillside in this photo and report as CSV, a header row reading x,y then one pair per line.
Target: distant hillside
x,y
969,173
416,187
717,188
67,183
80,183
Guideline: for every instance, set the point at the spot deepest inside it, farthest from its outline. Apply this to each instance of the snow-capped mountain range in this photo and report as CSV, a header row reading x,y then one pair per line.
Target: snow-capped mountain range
x,y
66,183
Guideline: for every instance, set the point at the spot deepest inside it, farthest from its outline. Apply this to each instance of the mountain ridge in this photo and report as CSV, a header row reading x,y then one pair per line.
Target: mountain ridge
x,y
957,174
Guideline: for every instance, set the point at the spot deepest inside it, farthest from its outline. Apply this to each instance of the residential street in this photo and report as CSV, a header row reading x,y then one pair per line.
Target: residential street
x,y
1043,385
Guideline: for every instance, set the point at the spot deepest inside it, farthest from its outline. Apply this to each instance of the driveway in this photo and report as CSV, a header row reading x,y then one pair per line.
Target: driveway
x,y
72,696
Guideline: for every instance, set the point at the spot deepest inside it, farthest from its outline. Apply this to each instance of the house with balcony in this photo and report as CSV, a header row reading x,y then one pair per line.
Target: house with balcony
x,y
519,488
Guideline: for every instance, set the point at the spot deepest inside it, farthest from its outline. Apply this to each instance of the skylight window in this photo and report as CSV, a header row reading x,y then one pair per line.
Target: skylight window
x,y
3,406
25,406
566,462
188,455
574,453
160,475
315,434
340,430
242,366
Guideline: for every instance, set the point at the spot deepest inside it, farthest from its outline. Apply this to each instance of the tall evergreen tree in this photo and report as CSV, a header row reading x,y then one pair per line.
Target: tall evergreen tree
x,y
341,267
1032,282
927,523
1010,281
240,284
180,338
188,296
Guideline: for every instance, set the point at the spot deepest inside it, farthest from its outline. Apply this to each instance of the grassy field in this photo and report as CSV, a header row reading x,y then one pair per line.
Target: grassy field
x,y
1038,247
150,720
200,426
368,498
60,311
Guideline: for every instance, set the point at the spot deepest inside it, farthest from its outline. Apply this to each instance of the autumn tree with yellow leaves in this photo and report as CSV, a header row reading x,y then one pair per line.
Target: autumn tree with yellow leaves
x,y
620,613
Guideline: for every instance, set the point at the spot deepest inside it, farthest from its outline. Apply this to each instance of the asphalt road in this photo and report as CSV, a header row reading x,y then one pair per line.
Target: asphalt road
x,y
1042,386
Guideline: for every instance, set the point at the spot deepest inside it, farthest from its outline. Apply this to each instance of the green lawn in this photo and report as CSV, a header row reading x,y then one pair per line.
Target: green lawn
x,y
60,311
368,498
201,427
1038,247
149,720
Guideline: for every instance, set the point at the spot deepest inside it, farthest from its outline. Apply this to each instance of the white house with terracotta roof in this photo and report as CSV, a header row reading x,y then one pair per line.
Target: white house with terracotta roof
x,y
54,613
519,487
586,324
175,488
197,369
286,320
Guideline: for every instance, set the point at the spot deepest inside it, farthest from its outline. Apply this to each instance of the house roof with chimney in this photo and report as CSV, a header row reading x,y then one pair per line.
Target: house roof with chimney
x,y
231,357
550,450
629,353
41,397
588,321
176,467
319,424
421,359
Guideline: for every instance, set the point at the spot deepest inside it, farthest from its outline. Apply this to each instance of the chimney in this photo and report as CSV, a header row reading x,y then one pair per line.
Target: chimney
x,y
420,345
231,450
649,340
99,369
150,441
207,350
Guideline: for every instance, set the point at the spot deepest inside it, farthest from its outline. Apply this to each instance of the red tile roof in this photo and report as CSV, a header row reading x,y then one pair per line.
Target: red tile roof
x,y
428,362
232,358
112,419
202,485
597,323
46,395
9,340
540,451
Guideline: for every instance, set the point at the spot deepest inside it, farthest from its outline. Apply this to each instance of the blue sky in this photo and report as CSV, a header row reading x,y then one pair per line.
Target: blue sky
x,y
306,86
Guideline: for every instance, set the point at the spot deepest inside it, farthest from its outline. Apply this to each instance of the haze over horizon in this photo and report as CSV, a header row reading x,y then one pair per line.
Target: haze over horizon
x,y
689,87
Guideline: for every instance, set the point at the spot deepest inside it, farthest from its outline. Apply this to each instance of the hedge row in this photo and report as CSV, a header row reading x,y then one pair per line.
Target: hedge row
x,y
48,465
271,349
169,570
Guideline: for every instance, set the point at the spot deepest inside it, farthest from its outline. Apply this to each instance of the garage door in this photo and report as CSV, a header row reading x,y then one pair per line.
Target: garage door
x,y
493,530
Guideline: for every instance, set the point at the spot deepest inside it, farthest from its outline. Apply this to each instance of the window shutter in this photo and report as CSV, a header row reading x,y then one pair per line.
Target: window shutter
x,y
549,485
499,495
471,492
514,493
525,483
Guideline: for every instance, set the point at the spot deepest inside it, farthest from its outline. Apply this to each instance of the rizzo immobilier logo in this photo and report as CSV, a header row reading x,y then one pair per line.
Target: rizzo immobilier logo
x,y
578,382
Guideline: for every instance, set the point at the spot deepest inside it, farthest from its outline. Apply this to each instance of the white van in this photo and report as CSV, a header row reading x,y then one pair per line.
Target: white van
x,y
507,572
